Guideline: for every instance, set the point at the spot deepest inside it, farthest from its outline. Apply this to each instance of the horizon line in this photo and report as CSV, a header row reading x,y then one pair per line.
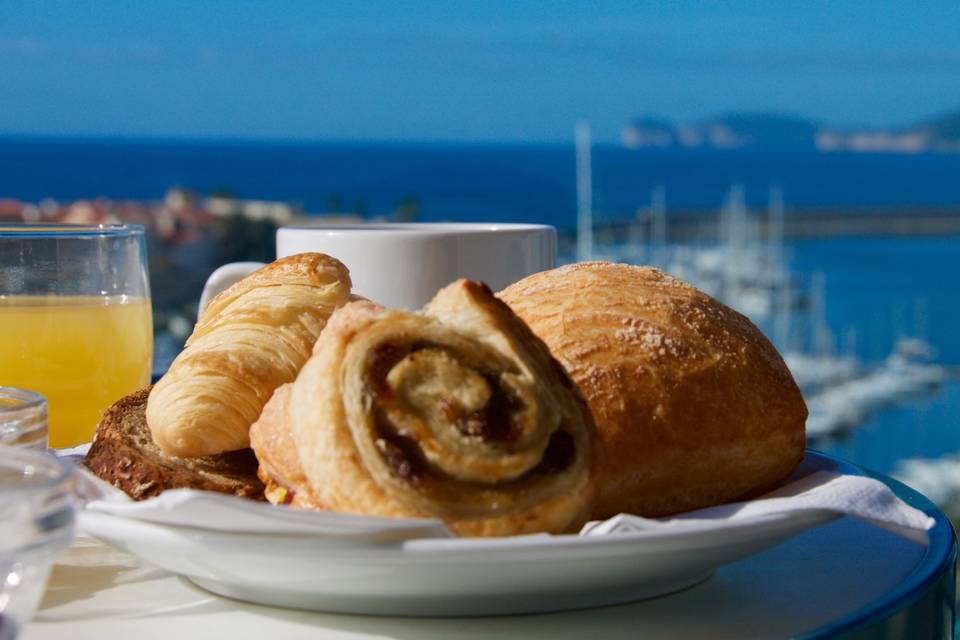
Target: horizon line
x,y
280,140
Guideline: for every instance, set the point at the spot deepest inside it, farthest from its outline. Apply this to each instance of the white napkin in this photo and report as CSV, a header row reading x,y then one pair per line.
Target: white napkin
x,y
209,510
821,491
218,512
816,487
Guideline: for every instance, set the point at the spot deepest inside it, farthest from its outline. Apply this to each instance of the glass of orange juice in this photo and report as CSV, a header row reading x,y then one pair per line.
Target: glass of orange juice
x,y
75,319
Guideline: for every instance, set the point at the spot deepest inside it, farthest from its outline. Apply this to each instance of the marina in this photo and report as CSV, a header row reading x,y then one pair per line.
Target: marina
x,y
745,259
748,271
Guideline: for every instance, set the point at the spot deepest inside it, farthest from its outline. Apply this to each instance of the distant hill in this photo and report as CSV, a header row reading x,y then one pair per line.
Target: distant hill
x,y
773,130
731,131
790,132
945,127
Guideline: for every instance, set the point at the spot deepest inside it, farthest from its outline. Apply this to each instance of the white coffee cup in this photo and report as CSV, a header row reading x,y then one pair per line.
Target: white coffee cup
x,y
404,265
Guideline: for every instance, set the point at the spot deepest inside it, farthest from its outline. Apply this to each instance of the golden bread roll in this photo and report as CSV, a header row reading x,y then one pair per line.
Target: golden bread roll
x,y
457,413
693,405
250,339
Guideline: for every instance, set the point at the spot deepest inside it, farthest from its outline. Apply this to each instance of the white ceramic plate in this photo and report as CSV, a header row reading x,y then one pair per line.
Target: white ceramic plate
x,y
448,576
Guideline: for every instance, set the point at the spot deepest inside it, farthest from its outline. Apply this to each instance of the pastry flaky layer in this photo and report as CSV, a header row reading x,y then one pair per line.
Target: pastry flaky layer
x,y
457,413
280,469
250,339
693,405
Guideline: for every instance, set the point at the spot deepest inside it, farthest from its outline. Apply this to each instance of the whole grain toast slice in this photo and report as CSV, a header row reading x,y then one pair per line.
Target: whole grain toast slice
x,y
123,453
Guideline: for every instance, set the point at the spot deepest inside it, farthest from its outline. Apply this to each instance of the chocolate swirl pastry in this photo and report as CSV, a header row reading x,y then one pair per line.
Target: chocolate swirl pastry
x,y
458,413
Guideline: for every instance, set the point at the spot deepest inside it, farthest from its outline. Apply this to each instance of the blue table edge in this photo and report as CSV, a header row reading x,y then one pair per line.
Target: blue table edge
x,y
939,556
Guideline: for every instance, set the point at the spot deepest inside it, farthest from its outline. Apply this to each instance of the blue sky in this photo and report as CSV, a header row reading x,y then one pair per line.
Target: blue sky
x,y
490,71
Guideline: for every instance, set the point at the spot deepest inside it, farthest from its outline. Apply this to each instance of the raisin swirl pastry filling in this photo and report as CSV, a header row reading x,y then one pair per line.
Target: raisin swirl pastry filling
x,y
458,412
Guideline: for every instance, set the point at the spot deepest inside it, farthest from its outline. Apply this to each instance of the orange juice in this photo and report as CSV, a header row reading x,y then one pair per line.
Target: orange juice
x,y
81,352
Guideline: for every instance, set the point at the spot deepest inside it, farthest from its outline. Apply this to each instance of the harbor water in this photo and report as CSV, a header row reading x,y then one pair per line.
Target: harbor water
x,y
885,288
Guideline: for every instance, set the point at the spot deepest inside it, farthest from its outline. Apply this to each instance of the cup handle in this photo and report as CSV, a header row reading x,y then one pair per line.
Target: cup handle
x,y
223,277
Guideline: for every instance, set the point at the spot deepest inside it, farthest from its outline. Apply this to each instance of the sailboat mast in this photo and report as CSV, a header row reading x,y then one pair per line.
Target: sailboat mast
x,y
775,226
584,193
658,208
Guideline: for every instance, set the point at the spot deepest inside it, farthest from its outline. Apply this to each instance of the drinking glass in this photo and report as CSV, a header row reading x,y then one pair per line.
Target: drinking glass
x,y
75,319
36,523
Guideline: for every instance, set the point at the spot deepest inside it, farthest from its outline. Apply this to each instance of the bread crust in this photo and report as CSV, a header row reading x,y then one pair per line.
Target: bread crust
x,y
693,405
124,455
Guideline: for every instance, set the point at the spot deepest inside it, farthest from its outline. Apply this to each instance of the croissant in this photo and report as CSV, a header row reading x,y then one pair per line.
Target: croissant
x,y
457,413
693,405
250,339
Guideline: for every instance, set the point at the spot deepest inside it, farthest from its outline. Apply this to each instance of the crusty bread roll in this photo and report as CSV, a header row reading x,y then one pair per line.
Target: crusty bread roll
x,y
250,339
457,413
693,405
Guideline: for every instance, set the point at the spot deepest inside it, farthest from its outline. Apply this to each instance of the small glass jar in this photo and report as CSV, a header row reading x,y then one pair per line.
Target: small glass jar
x,y
36,523
23,419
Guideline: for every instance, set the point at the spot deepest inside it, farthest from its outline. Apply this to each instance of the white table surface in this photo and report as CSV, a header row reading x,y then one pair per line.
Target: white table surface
x,y
98,592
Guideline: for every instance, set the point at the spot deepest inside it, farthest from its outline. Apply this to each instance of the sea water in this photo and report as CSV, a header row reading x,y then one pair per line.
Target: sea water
x,y
467,182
